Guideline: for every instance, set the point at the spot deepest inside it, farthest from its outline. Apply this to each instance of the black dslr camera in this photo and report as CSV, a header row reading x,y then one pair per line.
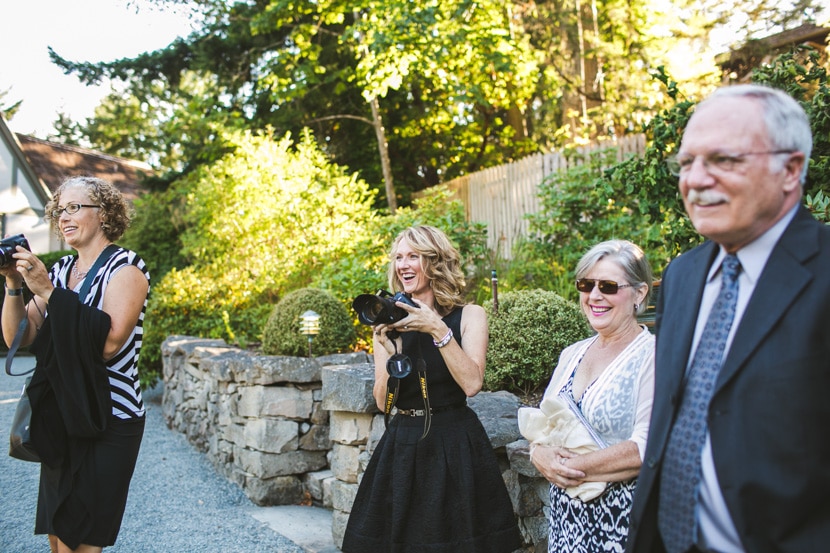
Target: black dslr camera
x,y
380,308
7,248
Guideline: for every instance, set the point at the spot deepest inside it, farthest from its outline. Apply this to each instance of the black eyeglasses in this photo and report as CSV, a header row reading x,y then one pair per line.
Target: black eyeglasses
x,y
70,209
605,286
724,163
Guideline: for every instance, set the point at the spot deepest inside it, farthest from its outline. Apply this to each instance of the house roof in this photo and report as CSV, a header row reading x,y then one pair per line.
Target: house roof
x,y
54,162
738,64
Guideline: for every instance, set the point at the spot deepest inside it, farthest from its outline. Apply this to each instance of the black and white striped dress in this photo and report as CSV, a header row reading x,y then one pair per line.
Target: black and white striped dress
x,y
123,367
82,500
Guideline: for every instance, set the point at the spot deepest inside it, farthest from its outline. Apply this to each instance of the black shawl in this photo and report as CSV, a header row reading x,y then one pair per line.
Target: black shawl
x,y
70,391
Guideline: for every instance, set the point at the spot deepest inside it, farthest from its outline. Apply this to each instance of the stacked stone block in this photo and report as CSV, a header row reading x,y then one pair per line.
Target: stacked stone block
x,y
293,430
257,418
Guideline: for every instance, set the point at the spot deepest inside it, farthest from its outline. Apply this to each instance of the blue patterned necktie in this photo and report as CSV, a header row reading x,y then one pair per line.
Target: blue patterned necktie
x,y
681,476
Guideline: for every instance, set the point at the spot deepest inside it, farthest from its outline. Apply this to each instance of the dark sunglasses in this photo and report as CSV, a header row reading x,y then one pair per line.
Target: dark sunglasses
x,y
605,286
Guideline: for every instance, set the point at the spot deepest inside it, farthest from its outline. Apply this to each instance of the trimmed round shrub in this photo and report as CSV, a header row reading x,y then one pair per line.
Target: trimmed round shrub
x,y
528,333
282,331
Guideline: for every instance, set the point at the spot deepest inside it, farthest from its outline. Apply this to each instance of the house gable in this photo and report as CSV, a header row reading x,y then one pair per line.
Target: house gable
x,y
22,195
31,169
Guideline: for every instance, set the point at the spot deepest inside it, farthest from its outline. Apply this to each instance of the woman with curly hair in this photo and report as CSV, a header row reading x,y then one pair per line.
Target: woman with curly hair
x,y
433,482
84,324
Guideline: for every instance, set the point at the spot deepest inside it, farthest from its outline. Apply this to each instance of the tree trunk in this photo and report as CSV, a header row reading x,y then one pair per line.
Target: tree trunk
x,y
383,148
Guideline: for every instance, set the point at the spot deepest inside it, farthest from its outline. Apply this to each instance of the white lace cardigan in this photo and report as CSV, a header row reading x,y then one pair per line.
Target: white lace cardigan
x,y
618,403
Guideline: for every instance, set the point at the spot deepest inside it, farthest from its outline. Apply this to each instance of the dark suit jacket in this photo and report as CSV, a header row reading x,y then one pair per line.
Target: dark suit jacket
x,y
769,419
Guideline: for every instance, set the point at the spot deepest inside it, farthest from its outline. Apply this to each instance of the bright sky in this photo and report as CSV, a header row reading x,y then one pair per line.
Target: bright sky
x,y
90,30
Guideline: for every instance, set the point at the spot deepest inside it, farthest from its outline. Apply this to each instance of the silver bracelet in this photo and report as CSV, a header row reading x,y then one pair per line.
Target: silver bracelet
x,y
445,340
13,291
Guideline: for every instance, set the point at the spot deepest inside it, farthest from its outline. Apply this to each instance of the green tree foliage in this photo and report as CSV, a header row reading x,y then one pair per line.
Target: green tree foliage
x,y
278,209
261,221
171,128
528,333
412,92
153,233
8,110
598,56
451,71
638,199
282,336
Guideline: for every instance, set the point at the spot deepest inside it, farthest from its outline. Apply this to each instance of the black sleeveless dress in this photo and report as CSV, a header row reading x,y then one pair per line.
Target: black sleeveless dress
x,y
440,494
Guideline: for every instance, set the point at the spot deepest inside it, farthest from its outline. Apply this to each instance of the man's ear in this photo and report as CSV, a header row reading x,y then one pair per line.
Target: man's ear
x,y
793,168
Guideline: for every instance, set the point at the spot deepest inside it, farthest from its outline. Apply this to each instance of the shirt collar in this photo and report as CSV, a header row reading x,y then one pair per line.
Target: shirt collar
x,y
754,255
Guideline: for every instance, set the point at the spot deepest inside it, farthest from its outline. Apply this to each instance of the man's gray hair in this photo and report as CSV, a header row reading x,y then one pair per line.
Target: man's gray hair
x,y
788,126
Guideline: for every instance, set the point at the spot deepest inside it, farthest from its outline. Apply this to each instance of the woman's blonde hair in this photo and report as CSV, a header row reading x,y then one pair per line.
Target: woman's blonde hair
x,y
440,262
115,211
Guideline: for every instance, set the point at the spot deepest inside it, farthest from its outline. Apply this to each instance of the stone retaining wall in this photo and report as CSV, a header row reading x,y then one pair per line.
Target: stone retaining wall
x,y
292,430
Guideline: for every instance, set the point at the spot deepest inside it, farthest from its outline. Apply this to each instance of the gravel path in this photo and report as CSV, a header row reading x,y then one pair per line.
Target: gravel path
x,y
178,503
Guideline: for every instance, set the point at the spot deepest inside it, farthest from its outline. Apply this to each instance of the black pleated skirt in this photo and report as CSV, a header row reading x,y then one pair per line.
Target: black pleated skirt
x,y
441,494
82,501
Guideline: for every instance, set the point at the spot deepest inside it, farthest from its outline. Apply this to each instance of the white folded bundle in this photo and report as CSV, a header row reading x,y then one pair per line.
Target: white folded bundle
x,y
555,424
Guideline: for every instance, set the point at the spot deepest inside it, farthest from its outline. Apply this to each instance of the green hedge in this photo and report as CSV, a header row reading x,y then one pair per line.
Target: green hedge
x,y
528,333
282,332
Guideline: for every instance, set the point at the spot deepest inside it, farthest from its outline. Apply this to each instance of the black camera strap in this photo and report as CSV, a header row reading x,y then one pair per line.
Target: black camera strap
x,y
422,380
393,385
18,337
391,397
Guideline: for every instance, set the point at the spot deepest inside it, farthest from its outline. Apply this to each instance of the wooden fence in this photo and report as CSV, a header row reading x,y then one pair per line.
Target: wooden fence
x,y
502,197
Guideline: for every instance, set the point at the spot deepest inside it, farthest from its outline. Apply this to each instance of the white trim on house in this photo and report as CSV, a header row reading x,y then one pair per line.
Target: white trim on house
x,y
22,196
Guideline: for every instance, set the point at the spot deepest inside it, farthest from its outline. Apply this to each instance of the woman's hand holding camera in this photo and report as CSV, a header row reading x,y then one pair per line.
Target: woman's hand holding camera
x,y
16,268
383,339
421,319
29,269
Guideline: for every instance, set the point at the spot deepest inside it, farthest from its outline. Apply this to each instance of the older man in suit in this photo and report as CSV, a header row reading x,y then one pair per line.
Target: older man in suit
x,y
738,455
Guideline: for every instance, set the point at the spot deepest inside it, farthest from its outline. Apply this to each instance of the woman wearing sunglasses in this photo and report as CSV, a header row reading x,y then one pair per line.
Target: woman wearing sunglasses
x,y
610,378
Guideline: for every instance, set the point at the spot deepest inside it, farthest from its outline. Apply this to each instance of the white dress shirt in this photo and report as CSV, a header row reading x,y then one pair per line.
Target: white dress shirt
x,y
716,530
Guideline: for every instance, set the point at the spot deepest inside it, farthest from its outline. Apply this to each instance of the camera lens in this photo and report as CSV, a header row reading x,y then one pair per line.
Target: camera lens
x,y
368,307
373,310
399,366
6,251
380,309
